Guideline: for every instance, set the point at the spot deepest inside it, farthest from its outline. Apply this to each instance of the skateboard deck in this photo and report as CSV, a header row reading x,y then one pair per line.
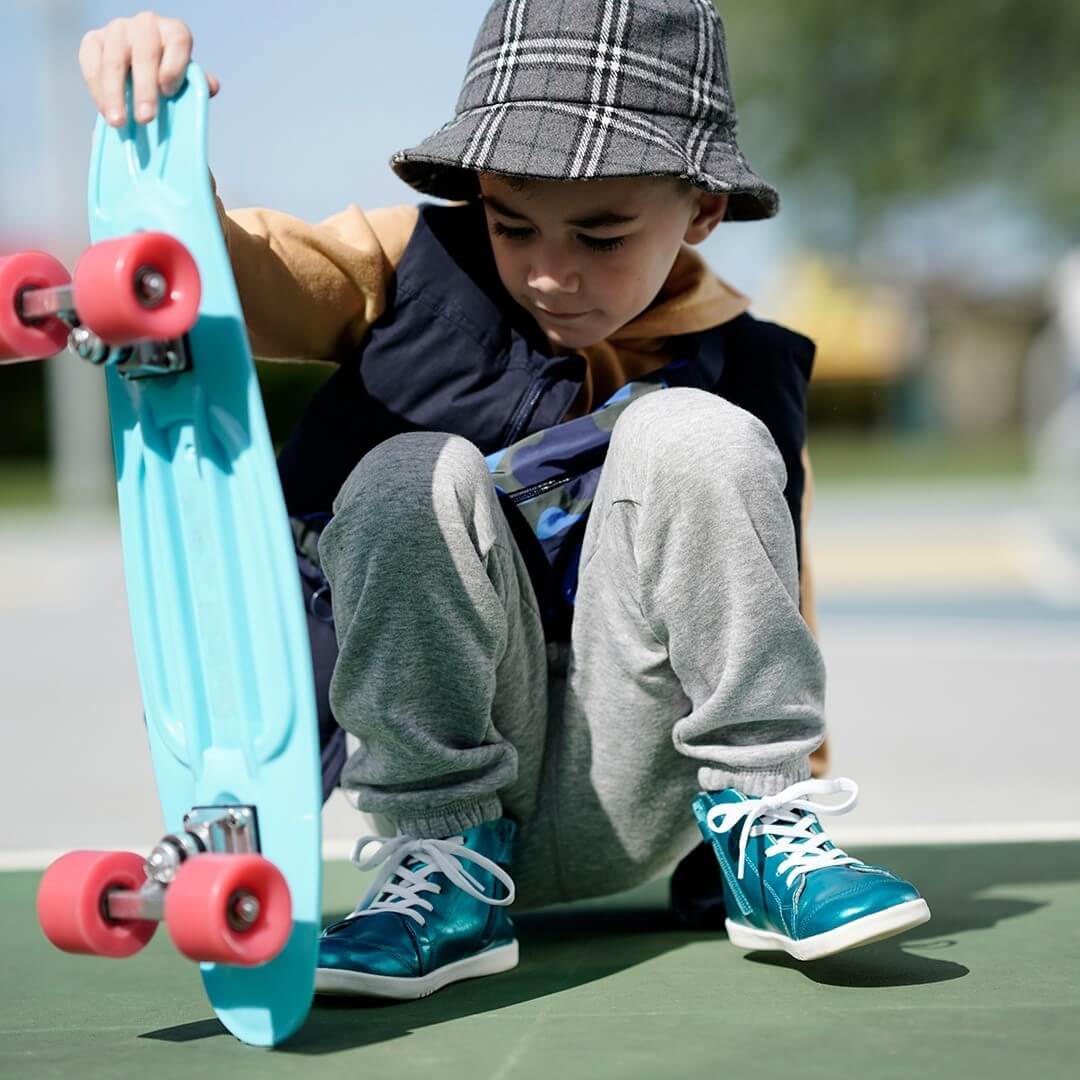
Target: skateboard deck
x,y
217,616
216,612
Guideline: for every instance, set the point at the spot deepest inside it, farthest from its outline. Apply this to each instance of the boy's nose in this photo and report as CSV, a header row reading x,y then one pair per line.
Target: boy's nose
x,y
550,280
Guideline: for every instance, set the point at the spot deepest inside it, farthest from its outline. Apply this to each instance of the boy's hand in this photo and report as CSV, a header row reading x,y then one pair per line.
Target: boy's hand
x,y
156,51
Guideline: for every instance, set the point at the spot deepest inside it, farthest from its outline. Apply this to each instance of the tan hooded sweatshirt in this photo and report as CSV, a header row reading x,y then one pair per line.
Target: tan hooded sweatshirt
x,y
312,291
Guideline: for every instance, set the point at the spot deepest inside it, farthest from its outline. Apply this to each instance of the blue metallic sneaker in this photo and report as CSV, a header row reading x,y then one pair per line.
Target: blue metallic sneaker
x,y
788,886
426,921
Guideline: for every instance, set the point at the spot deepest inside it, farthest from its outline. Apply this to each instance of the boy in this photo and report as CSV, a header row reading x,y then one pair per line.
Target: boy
x,y
557,677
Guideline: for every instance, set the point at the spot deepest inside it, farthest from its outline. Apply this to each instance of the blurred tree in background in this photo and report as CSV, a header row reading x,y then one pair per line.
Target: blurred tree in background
x,y
933,148
897,100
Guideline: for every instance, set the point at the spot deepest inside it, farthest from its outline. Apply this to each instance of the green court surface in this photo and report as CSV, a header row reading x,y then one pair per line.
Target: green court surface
x,y
989,988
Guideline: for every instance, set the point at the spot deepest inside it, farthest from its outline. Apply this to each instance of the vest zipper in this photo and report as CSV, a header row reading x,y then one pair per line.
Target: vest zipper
x,y
526,409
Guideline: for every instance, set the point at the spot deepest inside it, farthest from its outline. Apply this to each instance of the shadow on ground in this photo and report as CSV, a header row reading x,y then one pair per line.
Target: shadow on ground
x,y
569,946
951,878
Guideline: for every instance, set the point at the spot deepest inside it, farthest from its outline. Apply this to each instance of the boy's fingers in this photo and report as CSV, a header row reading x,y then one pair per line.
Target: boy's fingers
x,y
155,51
90,49
146,52
176,52
112,77
214,83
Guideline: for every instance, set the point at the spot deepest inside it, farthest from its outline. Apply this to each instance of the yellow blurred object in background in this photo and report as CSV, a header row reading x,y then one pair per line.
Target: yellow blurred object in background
x,y
864,331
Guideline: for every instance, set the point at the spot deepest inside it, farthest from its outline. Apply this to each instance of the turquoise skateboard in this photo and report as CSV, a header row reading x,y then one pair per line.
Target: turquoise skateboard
x,y
216,611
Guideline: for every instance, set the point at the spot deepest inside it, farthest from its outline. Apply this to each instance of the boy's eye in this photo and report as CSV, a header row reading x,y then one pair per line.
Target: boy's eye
x,y
593,243
511,234
608,244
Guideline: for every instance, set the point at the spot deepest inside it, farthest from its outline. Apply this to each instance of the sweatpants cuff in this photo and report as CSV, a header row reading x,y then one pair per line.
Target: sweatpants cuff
x,y
756,782
452,820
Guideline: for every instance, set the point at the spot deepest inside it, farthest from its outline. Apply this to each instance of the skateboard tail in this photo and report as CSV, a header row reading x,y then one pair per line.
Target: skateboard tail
x,y
263,1006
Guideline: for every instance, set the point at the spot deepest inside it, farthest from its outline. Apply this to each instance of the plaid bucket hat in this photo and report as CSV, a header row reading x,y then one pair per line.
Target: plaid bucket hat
x,y
581,89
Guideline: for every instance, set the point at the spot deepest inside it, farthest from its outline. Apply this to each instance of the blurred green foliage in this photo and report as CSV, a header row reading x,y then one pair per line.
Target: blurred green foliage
x,y
896,100
884,458
25,485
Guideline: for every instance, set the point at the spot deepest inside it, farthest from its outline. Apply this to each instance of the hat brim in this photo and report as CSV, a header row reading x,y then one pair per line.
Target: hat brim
x,y
551,141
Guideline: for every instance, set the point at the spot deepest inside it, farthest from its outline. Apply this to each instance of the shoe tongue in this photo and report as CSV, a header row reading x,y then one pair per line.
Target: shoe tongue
x,y
815,830
414,863
729,795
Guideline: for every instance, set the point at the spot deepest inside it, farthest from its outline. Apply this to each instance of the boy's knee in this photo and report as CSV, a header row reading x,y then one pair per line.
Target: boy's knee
x,y
410,468
684,425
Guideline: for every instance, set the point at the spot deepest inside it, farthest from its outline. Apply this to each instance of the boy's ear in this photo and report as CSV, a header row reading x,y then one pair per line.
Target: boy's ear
x,y
709,212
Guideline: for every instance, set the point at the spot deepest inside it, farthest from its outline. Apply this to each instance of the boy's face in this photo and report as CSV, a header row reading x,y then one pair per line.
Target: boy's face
x,y
584,257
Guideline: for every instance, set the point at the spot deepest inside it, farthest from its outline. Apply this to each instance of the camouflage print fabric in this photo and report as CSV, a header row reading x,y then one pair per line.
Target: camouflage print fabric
x,y
551,477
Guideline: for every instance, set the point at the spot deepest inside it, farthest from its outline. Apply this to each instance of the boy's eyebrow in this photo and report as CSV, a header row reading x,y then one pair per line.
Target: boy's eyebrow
x,y
593,221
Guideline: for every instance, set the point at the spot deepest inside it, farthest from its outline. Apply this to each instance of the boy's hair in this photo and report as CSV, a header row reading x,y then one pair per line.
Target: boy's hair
x,y
586,89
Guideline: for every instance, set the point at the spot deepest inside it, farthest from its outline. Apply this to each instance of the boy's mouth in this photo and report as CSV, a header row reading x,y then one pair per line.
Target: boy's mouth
x,y
560,314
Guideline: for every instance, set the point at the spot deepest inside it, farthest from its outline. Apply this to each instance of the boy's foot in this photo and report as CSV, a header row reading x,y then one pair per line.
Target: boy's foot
x,y
787,886
696,891
427,920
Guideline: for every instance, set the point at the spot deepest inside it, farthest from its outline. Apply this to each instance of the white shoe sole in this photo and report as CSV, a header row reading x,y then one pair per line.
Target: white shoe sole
x,y
870,928
361,984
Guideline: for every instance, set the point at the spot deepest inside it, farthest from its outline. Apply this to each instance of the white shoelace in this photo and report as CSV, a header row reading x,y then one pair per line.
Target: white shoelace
x,y
803,850
398,887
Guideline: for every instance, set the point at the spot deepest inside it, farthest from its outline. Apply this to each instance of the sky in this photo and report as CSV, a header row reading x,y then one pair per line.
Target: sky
x,y
315,98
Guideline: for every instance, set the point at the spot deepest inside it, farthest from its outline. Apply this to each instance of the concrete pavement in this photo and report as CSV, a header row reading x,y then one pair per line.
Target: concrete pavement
x,y
950,622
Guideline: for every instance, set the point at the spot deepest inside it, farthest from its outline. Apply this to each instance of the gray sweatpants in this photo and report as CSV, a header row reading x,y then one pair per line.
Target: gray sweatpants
x,y
689,667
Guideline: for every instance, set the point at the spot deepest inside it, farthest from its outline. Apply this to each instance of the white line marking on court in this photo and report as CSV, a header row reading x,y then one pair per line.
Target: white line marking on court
x,y
1052,569
982,833
868,835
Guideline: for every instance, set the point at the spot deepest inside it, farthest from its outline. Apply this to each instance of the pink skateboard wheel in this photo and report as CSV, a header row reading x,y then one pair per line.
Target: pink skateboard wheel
x,y
29,340
205,909
143,287
70,903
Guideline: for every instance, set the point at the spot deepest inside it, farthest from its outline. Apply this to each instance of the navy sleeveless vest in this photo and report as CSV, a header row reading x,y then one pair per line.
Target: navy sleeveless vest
x,y
453,353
